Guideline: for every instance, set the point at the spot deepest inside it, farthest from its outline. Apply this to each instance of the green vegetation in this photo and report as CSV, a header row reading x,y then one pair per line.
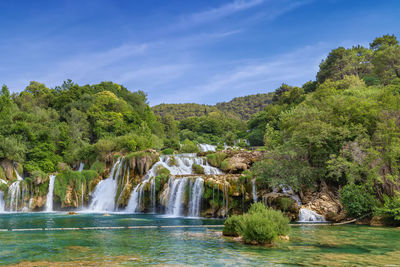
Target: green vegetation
x,y
198,169
341,130
189,147
260,225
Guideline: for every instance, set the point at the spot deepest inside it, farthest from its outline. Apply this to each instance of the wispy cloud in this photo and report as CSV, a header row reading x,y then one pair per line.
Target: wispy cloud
x,y
256,75
219,12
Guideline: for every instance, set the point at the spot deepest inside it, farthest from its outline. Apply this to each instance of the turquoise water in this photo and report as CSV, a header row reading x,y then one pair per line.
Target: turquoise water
x,y
308,245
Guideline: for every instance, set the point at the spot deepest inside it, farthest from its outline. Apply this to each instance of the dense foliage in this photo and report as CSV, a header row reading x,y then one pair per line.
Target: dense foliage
x,y
42,127
260,225
342,129
239,107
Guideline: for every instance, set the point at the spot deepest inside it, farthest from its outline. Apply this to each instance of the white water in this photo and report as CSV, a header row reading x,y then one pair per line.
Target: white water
x,y
207,147
81,165
103,198
14,193
2,203
307,215
49,197
182,166
175,205
254,190
197,189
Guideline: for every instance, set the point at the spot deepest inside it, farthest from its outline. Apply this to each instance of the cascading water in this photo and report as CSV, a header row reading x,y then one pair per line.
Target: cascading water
x,y
103,198
180,164
49,197
307,215
174,206
254,190
81,166
207,147
14,194
196,191
2,204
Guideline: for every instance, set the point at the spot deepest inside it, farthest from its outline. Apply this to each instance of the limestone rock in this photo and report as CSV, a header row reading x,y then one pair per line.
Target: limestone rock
x,y
325,202
8,168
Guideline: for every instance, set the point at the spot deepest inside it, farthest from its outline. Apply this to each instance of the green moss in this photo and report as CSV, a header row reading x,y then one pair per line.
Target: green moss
x,y
172,161
3,187
98,167
189,147
197,169
2,174
161,171
225,165
43,188
168,151
215,159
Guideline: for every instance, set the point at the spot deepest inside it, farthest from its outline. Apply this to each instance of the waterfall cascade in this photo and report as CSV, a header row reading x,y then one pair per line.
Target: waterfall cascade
x,y
180,164
254,190
178,186
103,198
307,215
196,194
2,204
81,165
49,197
17,194
207,147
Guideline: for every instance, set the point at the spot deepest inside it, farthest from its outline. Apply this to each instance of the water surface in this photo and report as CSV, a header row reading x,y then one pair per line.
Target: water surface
x,y
309,245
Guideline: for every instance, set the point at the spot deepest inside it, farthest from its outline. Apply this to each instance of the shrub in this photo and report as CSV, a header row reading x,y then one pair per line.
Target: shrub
x,y
357,201
232,225
168,151
197,169
189,147
161,171
260,225
98,166
215,159
391,208
225,165
285,203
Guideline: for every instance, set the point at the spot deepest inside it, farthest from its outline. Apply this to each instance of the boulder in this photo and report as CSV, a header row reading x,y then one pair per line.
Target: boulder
x,y
239,161
8,168
325,202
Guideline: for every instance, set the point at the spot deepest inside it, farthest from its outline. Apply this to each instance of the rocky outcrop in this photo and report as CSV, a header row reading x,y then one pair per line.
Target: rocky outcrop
x,y
141,162
8,168
239,161
325,202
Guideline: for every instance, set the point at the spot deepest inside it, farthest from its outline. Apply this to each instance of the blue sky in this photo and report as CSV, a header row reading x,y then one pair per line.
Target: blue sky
x,y
182,51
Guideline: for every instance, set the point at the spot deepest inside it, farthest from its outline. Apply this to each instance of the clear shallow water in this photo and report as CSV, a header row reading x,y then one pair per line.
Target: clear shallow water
x,y
308,245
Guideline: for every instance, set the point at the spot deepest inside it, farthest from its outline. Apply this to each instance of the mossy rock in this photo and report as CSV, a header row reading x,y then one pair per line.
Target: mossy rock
x,y
2,174
162,171
197,169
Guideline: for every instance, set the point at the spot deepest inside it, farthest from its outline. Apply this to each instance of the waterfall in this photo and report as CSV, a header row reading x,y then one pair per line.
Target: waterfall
x,y
307,215
104,194
49,197
14,193
196,195
81,165
207,147
175,205
254,190
2,204
180,164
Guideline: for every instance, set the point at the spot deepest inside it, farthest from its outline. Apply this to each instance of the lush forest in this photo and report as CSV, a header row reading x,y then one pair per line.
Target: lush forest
x,y
341,129
240,107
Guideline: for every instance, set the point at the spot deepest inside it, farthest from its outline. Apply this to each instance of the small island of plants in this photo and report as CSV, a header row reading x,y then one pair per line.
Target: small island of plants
x,y
260,225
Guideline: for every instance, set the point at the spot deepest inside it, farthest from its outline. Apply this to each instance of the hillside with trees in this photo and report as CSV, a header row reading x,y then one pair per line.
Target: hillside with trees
x,y
239,107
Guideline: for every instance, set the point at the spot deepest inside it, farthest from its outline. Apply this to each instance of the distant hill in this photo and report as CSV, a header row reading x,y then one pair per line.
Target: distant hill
x,y
241,107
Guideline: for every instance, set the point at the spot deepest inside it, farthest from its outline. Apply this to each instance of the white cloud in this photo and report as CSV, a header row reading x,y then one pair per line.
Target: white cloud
x,y
219,12
255,76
